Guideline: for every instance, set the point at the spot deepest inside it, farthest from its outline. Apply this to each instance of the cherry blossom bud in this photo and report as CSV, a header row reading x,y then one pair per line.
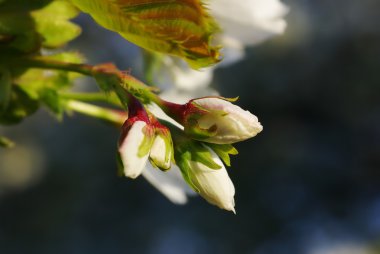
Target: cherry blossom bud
x,y
136,139
161,153
216,120
206,174
134,146
214,185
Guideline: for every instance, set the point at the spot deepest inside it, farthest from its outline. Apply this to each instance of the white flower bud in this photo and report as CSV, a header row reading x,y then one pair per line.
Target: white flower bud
x,y
134,148
228,122
161,152
214,185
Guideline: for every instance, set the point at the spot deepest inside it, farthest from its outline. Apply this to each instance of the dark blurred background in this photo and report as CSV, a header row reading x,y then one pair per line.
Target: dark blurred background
x,y
310,183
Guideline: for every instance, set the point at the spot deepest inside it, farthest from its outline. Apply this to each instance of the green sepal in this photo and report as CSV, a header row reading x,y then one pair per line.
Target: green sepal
x,y
204,156
169,150
186,150
107,77
224,151
194,131
5,88
147,142
198,153
234,99
192,127
182,160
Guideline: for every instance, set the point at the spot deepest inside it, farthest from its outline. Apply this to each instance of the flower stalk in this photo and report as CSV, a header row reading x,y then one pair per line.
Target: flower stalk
x,y
112,116
107,75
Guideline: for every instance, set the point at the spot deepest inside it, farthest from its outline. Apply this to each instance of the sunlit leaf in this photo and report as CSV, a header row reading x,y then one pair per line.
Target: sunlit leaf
x,y
45,85
52,22
34,80
27,25
178,27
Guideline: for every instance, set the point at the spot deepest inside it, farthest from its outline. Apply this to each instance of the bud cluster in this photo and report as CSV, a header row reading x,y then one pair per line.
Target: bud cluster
x,y
209,126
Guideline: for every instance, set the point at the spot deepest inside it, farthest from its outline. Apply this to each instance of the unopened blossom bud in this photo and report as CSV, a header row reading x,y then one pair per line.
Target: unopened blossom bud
x,y
134,146
216,120
206,174
136,139
161,153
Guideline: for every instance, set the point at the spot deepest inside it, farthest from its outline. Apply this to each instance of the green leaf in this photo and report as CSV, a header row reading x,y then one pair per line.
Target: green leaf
x,y
5,89
20,106
30,24
34,80
182,160
68,57
182,27
53,25
53,101
46,85
20,28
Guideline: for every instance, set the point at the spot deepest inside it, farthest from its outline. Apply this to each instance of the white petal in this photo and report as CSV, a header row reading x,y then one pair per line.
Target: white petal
x,y
249,21
169,183
189,79
246,23
214,185
158,153
129,148
177,72
232,51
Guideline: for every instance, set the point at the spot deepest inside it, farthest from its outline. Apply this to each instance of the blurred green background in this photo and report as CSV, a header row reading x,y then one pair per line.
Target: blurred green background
x,y
310,183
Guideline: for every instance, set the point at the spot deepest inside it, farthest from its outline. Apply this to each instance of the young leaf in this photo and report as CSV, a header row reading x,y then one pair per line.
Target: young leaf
x,y
28,25
45,85
52,23
177,27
